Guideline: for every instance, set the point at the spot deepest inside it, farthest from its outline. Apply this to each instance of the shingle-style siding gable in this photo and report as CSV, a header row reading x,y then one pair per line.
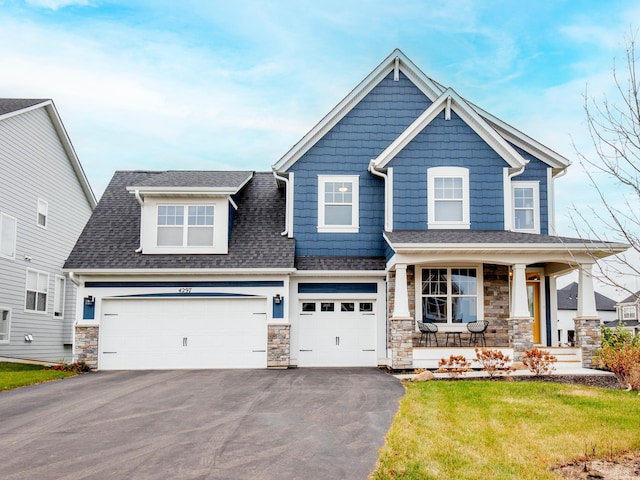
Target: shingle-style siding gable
x,y
448,143
346,149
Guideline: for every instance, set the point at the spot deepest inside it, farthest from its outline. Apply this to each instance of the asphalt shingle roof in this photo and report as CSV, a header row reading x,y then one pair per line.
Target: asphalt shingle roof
x,y
8,105
631,298
475,236
194,178
112,234
568,299
340,263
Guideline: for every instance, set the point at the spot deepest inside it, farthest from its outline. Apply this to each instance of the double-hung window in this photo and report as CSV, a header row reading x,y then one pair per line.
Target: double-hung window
x,y
338,203
448,197
8,227
449,295
37,291
526,207
5,324
629,313
185,226
43,213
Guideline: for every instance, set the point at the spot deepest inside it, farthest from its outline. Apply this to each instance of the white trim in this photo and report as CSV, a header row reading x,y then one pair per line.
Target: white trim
x,y
42,208
59,291
447,172
535,186
46,291
389,205
3,217
354,180
468,115
8,332
551,200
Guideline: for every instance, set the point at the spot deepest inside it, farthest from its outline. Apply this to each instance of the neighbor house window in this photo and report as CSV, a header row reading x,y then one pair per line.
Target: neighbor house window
x,y
43,213
448,197
58,297
629,313
5,319
37,291
450,295
526,210
8,227
338,203
185,226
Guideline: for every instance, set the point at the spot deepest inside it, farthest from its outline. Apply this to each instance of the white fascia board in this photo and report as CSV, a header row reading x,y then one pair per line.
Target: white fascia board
x,y
178,191
468,115
528,144
340,273
178,271
599,250
430,88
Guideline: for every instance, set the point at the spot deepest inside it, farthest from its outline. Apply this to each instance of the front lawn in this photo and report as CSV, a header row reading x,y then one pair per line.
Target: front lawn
x,y
504,430
15,375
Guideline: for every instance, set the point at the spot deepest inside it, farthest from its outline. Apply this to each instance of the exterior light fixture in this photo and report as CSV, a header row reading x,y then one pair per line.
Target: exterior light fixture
x,y
89,301
277,299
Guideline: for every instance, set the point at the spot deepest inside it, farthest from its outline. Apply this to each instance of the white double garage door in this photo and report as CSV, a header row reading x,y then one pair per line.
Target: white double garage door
x,y
167,333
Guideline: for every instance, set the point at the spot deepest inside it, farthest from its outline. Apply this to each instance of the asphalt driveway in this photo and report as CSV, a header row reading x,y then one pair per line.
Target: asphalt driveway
x,y
232,424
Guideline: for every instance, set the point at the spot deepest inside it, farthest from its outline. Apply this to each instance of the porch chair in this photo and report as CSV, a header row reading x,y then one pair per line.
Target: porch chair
x,y
426,330
477,329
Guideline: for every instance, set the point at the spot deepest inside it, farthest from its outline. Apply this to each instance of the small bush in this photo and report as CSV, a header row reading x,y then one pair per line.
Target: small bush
x,y
494,362
454,366
539,361
620,354
77,367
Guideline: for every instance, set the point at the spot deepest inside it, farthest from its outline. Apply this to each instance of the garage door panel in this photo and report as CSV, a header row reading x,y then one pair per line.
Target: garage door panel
x,y
183,333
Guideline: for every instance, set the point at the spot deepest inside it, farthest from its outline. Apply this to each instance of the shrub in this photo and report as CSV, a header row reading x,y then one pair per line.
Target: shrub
x,y
77,367
616,337
454,366
539,361
620,354
494,362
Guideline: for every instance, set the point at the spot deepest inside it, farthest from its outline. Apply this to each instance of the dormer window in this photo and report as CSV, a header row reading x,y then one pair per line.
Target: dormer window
x,y
173,231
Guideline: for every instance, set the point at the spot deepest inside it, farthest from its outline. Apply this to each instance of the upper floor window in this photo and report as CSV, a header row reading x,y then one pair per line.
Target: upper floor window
x,y
58,297
37,291
43,213
174,231
526,210
450,295
5,325
448,197
8,226
629,313
338,207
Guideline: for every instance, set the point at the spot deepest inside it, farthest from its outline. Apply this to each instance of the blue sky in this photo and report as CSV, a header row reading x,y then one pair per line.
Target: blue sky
x,y
161,84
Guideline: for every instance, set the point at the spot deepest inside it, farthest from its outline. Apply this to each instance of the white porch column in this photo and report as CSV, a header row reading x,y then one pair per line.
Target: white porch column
x,y
520,302
586,295
401,298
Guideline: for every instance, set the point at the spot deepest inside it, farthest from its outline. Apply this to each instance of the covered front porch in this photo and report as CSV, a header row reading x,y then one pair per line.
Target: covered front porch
x,y
512,285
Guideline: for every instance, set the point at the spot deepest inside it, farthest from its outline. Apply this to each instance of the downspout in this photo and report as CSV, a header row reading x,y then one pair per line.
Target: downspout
x,y
141,203
286,210
382,175
512,172
74,279
551,200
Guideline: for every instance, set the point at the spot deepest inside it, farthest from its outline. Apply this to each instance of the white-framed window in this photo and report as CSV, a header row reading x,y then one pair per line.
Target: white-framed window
x,y
5,324
629,313
43,213
185,226
8,229
58,296
37,291
338,203
526,206
448,197
450,295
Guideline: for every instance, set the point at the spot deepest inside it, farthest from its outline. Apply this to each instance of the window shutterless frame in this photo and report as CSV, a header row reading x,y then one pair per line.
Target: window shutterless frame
x,y
42,217
8,232
338,203
448,197
5,324
526,206
36,291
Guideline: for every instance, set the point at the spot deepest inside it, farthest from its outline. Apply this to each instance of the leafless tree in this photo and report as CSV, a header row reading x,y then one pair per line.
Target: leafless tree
x,y
614,128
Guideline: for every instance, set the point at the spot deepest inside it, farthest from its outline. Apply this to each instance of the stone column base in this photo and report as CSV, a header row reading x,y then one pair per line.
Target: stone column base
x,y
278,345
86,345
520,336
588,339
401,342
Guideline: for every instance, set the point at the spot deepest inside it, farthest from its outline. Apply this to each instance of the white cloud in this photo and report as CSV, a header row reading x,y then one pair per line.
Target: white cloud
x,y
57,4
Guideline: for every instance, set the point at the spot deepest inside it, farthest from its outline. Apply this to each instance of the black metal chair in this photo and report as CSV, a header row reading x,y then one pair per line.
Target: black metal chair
x,y
477,329
426,330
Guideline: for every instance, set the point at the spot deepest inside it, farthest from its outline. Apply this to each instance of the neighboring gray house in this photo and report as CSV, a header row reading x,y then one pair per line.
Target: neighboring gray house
x,y
628,312
567,311
45,201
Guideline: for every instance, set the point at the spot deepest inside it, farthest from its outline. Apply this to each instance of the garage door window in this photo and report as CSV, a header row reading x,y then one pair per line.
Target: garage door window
x,y
326,307
308,307
366,307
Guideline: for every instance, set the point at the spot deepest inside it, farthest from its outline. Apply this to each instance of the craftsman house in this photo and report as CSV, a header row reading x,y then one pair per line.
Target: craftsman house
x,y
405,204
45,201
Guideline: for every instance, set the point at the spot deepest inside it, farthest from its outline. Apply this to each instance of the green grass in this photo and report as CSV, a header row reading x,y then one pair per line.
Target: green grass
x,y
504,430
16,375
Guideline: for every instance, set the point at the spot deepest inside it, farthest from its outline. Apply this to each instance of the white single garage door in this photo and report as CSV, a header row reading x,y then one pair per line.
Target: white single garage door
x,y
183,333
337,334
